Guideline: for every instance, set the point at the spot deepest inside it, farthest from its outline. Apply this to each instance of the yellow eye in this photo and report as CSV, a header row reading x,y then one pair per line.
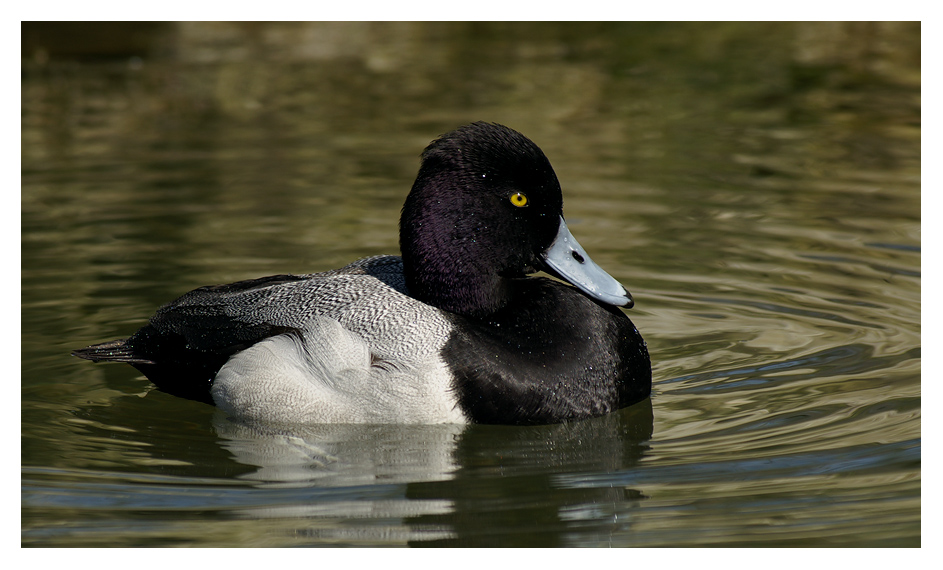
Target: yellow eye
x,y
518,199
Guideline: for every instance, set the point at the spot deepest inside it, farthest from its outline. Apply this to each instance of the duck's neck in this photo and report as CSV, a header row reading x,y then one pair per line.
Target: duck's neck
x,y
434,278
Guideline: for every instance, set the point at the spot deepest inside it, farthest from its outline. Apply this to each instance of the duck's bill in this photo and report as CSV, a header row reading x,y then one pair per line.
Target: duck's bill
x,y
569,261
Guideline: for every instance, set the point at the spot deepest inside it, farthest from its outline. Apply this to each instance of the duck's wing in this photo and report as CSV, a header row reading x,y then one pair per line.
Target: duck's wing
x,y
188,340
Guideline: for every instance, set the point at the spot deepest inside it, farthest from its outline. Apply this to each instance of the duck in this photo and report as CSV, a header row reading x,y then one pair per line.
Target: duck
x,y
457,329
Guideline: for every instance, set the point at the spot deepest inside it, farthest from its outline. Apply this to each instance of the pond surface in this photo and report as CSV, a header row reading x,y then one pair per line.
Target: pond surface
x,y
756,188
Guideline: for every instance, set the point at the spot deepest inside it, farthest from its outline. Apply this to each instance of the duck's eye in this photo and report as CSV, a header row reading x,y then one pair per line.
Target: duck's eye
x,y
518,199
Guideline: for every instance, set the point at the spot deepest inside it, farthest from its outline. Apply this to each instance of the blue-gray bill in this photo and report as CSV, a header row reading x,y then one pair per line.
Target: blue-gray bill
x,y
567,258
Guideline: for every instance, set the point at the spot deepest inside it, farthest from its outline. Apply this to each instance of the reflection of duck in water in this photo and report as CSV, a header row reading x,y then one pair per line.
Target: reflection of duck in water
x,y
449,485
452,332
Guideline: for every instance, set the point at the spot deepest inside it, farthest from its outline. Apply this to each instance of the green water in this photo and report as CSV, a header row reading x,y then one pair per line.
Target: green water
x,y
755,186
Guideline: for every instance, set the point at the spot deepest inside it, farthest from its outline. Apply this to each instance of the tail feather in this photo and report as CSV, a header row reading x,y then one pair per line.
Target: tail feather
x,y
114,351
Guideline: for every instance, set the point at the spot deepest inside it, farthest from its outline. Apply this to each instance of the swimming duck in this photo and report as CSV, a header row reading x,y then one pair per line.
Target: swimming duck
x,y
454,331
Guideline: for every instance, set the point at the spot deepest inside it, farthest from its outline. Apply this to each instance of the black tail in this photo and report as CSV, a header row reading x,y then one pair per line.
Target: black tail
x,y
114,351
172,363
188,340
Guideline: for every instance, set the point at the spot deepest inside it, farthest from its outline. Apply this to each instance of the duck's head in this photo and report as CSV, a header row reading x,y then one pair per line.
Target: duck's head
x,y
486,208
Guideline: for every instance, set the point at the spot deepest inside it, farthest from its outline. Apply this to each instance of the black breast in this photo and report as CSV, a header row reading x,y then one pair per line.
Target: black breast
x,y
550,356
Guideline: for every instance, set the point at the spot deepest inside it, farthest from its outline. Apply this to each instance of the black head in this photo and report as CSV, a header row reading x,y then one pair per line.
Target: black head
x,y
485,205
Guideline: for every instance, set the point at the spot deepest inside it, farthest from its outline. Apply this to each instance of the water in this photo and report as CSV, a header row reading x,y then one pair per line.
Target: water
x,y
756,188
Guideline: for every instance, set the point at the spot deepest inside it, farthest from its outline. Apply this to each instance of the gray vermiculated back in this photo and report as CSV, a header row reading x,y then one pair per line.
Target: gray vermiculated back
x,y
368,297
